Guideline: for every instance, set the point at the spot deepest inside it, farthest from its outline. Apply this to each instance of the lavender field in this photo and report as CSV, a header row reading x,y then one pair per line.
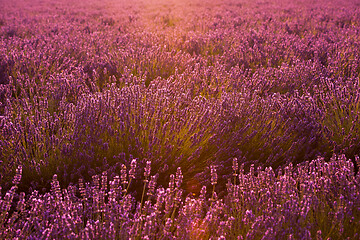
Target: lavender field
x,y
180,119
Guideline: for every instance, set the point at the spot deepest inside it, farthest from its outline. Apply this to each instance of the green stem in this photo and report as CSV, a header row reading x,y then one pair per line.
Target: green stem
x,y
127,189
212,196
143,194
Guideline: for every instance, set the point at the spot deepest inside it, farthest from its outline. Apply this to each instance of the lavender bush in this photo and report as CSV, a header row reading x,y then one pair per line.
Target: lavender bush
x,y
130,119
315,199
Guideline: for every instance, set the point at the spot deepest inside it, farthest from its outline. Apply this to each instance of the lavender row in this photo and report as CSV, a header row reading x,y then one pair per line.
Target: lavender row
x,y
313,200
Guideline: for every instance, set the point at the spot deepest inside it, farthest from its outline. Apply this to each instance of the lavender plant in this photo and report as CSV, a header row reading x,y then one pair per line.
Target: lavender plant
x,y
311,200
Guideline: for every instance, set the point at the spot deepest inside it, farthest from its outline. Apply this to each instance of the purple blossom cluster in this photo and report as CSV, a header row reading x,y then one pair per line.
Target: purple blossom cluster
x,y
157,93
313,200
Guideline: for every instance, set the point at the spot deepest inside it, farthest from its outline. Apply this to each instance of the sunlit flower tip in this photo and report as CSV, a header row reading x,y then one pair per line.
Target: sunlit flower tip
x,y
17,177
179,177
172,182
104,180
132,169
235,165
178,196
203,191
213,175
152,185
168,224
318,235
81,188
252,169
123,174
214,196
147,169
